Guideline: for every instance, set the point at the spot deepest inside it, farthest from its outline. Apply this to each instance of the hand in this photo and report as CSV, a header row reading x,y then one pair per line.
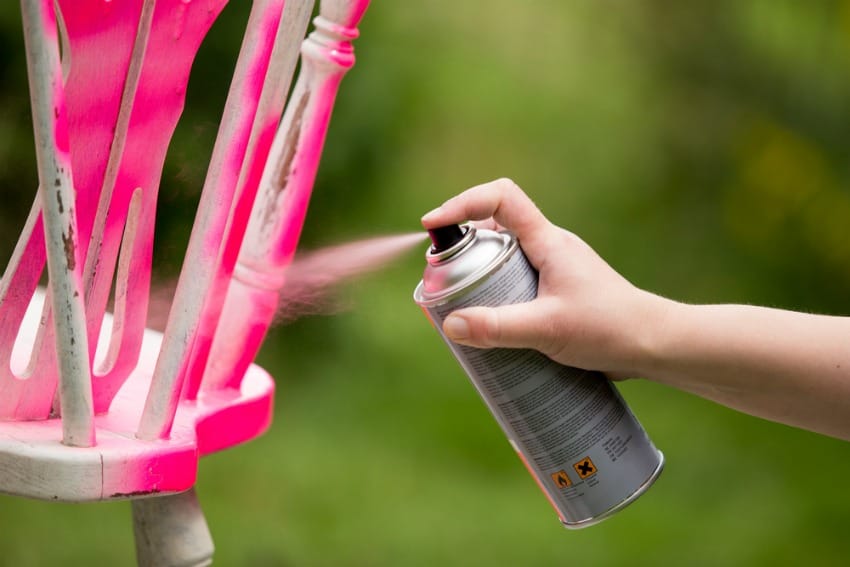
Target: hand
x,y
586,315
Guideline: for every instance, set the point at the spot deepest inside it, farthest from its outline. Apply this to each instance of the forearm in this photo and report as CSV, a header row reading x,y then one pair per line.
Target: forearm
x,y
788,367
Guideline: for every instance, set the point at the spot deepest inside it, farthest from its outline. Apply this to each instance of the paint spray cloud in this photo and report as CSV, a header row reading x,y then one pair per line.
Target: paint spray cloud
x,y
313,278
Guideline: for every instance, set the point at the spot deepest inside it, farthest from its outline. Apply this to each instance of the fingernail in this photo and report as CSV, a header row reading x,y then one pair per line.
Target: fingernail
x,y
456,328
430,214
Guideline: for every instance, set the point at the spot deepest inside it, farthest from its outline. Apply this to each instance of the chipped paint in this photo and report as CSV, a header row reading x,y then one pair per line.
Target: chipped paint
x,y
69,246
271,204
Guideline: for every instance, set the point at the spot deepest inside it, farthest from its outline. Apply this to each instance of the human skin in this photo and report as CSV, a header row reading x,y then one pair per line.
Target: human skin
x,y
785,366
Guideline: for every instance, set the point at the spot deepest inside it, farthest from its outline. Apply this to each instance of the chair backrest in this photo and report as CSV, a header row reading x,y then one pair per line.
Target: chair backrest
x,y
104,113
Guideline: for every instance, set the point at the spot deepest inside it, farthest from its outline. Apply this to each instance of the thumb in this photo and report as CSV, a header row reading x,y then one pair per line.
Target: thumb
x,y
521,325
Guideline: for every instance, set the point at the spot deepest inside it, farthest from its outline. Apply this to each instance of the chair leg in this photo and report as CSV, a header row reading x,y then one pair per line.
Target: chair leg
x,y
171,531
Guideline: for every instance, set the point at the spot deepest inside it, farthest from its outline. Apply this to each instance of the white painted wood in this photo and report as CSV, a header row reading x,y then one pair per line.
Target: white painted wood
x,y
171,531
57,199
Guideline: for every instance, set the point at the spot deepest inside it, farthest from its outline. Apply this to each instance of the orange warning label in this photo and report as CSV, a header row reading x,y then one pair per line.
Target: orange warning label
x,y
561,479
585,468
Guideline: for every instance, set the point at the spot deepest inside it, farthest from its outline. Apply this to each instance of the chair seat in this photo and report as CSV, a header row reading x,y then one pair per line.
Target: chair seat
x,y
34,462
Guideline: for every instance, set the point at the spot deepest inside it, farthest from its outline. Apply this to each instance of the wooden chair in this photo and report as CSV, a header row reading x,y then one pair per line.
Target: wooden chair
x,y
94,406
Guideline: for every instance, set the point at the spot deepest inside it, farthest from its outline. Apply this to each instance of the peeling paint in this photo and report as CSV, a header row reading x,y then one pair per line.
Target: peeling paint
x,y
134,494
68,245
292,140
286,165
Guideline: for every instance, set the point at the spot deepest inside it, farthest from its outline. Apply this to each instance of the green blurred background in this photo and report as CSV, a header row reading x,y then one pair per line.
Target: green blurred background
x,y
701,147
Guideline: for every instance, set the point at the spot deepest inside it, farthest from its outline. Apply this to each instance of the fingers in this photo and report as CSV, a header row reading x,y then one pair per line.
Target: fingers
x,y
501,199
499,203
520,325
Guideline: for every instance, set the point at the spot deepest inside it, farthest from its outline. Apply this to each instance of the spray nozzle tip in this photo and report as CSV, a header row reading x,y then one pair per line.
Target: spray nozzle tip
x,y
444,237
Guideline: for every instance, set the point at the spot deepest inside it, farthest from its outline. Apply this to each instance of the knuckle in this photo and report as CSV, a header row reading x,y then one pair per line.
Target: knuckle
x,y
507,185
552,335
490,328
547,339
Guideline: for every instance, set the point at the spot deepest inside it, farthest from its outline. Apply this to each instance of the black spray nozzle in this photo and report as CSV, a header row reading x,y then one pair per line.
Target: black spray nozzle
x,y
445,237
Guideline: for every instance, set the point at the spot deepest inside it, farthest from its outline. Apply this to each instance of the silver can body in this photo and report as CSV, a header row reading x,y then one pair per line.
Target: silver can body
x,y
570,427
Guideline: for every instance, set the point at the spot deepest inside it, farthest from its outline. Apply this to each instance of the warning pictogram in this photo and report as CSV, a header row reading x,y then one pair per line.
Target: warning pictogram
x,y
561,479
585,468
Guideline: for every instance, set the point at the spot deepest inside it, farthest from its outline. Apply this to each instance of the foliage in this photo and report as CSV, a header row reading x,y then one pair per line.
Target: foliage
x,y
700,146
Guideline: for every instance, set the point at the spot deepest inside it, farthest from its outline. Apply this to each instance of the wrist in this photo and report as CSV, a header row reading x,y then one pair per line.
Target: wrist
x,y
653,329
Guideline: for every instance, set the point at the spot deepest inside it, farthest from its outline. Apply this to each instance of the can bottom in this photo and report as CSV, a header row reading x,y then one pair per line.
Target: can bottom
x,y
614,509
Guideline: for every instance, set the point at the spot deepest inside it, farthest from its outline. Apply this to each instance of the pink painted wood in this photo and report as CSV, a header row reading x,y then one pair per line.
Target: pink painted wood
x,y
209,230
121,114
111,120
128,201
285,188
271,104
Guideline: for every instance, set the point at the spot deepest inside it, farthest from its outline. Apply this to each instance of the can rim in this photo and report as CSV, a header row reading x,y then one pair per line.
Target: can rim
x,y
471,281
577,525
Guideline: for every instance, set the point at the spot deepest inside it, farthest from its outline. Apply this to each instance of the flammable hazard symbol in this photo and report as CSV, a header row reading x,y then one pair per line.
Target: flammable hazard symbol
x,y
585,468
561,479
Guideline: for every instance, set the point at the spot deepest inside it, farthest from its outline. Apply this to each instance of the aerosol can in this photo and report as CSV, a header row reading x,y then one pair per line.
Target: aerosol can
x,y
570,427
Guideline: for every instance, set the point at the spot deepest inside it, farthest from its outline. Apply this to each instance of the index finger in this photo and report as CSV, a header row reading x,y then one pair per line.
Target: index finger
x,y
501,199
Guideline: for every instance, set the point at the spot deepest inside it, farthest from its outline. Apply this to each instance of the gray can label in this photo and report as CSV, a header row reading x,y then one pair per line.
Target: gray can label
x,y
571,428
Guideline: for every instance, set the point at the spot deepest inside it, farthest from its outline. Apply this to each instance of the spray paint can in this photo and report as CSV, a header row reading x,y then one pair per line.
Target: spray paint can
x,y
571,428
